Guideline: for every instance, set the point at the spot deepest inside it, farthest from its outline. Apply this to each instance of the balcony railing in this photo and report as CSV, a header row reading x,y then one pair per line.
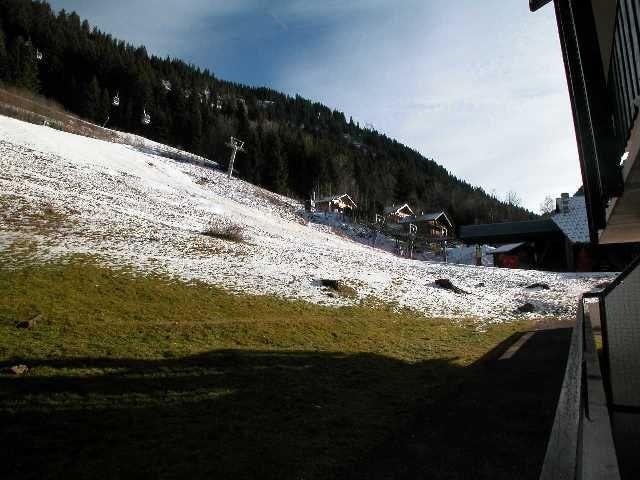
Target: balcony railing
x,y
597,406
624,71
581,443
619,308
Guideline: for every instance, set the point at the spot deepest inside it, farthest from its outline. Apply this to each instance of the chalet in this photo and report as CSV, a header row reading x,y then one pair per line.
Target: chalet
x,y
596,431
559,243
431,225
544,238
394,214
336,203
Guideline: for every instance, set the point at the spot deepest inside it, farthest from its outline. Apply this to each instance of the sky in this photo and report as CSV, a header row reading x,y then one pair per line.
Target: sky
x,y
479,86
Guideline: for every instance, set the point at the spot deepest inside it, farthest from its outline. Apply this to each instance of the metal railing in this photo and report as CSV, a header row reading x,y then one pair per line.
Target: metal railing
x,y
581,442
624,71
619,309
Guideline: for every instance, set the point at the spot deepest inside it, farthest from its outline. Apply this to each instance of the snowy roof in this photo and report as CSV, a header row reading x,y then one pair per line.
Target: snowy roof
x,y
574,224
334,198
509,247
394,209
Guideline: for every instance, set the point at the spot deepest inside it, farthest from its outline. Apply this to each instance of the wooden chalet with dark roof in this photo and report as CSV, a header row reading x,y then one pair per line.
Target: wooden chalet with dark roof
x,y
436,225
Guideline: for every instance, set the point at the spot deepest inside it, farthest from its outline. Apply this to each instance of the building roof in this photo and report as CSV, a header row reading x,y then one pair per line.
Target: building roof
x,y
394,209
334,198
574,223
509,232
537,4
509,247
429,217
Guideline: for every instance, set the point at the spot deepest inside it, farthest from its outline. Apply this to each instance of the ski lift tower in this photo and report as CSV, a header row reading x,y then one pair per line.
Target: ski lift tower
x,y
413,232
378,225
236,146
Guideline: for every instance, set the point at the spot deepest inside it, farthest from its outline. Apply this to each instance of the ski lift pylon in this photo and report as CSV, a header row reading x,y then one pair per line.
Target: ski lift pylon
x,y
236,144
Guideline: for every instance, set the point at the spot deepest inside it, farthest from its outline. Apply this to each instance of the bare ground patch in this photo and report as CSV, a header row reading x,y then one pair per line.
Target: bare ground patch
x,y
32,108
230,232
44,218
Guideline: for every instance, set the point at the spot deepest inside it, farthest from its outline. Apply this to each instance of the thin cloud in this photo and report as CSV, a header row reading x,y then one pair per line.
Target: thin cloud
x,y
480,88
279,22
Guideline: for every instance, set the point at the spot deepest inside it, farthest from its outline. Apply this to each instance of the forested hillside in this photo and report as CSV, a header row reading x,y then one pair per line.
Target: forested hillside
x,y
293,145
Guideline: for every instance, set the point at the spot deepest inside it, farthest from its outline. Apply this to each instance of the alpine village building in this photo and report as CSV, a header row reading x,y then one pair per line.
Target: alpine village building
x,y
342,203
560,242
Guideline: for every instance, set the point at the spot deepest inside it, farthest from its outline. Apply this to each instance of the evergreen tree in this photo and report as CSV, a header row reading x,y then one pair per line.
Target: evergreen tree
x,y
25,68
178,107
91,100
4,58
277,173
18,16
244,127
162,127
255,158
195,125
104,109
128,120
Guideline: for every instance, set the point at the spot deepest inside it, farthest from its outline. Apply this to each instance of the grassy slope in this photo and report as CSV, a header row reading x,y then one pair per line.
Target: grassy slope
x,y
145,376
29,107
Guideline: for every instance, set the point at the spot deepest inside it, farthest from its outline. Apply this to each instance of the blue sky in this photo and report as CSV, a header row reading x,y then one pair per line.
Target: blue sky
x,y
477,85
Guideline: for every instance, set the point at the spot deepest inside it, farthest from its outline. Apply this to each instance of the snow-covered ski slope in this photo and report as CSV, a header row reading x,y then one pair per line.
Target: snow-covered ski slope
x,y
132,207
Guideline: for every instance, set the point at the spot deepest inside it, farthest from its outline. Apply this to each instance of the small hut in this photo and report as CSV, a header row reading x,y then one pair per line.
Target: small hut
x,y
514,255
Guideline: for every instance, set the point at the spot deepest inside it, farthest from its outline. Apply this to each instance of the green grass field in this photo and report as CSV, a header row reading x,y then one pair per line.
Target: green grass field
x,y
135,376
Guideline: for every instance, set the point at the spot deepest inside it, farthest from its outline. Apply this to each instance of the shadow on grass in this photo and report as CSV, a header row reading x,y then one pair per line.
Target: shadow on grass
x,y
493,425
283,415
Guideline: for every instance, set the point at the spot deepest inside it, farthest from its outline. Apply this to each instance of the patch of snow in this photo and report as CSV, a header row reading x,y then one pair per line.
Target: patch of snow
x,y
134,207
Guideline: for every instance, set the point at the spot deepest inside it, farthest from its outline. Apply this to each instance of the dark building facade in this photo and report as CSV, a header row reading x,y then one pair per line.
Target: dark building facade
x,y
596,432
